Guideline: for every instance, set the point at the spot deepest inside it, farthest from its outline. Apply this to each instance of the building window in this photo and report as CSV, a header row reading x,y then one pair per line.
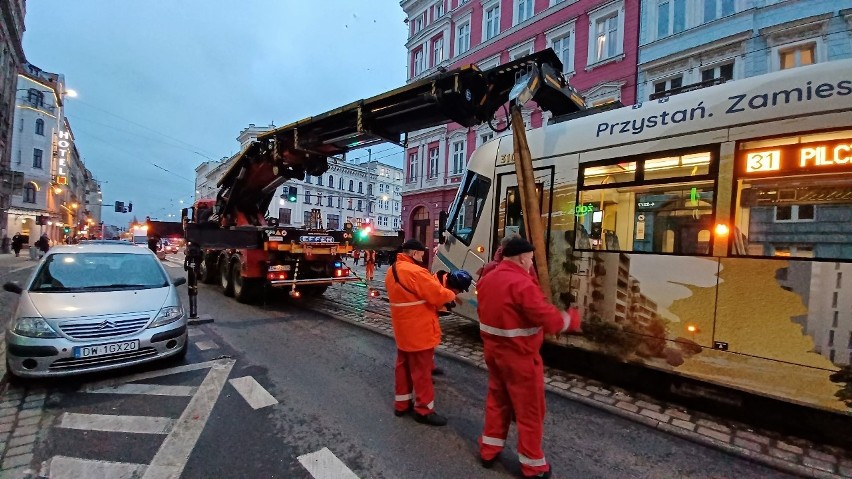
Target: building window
x,y
284,216
523,10
370,189
352,185
329,201
714,9
360,206
492,21
37,158
485,137
671,83
308,179
725,72
39,127
419,62
333,221
798,56
396,225
563,46
361,187
671,17
831,337
458,157
306,219
419,21
834,320
462,38
412,167
35,97
29,193
794,213
606,35
438,51
319,180
340,184
439,9
331,181
839,280
307,197
433,162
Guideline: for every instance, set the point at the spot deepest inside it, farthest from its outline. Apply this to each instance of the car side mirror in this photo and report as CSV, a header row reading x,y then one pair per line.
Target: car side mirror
x,y
179,281
13,288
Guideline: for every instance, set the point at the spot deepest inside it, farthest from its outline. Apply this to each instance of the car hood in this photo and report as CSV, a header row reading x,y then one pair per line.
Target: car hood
x,y
71,305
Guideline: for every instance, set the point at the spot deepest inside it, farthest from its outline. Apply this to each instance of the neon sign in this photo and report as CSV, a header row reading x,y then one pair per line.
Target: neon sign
x,y
583,210
809,157
63,147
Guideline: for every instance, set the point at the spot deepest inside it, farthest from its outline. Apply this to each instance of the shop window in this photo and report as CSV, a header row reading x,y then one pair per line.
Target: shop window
x,y
659,204
794,197
468,207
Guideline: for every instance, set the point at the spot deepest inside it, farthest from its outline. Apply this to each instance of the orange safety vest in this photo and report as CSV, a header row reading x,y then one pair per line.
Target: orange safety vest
x,y
414,304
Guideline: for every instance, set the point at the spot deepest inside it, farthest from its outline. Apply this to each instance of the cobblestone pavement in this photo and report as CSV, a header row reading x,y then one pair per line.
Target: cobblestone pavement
x,y
352,304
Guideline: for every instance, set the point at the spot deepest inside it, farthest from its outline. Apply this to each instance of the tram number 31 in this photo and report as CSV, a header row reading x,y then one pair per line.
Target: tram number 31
x,y
763,161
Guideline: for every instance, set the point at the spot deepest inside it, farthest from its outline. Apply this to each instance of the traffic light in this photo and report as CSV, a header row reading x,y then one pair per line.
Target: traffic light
x,y
365,231
292,194
119,207
130,206
67,229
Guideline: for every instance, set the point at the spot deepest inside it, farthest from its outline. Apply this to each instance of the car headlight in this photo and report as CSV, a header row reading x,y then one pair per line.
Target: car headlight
x,y
167,315
34,328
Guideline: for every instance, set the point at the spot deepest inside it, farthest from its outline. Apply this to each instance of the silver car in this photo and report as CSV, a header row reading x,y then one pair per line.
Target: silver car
x,y
94,306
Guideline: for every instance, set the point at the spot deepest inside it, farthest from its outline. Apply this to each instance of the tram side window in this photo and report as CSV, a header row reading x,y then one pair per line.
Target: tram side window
x,y
468,207
666,207
794,197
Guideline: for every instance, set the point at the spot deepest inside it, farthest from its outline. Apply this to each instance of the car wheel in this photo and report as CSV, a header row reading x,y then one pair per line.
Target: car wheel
x,y
225,279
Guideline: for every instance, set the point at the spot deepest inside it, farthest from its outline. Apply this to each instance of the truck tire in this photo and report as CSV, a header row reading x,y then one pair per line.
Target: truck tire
x,y
225,279
208,273
245,290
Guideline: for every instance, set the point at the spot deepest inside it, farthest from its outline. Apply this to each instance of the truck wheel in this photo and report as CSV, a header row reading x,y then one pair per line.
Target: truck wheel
x,y
245,289
207,275
225,278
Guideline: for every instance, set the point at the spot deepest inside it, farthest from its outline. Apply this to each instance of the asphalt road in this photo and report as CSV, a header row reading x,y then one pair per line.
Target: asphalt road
x,y
333,383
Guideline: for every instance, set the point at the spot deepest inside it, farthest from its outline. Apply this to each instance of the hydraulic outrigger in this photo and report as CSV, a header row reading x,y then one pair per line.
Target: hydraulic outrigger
x,y
467,96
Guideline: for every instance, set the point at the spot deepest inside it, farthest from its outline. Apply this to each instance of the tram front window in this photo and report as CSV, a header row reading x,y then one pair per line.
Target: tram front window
x,y
794,197
468,207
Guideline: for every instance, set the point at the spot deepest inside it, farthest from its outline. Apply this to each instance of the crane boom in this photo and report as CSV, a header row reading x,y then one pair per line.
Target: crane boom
x,y
465,95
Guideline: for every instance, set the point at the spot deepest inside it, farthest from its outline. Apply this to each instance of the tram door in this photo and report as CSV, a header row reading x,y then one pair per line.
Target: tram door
x,y
510,217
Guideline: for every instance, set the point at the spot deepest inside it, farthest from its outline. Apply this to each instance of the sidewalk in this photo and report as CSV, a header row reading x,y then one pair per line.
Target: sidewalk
x,y
9,260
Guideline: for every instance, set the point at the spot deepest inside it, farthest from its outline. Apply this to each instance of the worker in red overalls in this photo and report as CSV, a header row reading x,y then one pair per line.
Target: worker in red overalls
x,y
415,297
514,315
369,264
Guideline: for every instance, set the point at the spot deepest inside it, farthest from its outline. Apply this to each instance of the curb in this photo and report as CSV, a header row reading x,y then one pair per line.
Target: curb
x,y
742,452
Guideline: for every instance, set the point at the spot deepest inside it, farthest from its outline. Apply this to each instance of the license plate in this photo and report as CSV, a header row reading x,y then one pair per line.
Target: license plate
x,y
316,239
104,349
279,267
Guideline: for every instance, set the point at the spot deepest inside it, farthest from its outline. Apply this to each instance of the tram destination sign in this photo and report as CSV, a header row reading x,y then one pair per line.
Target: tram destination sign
x,y
820,157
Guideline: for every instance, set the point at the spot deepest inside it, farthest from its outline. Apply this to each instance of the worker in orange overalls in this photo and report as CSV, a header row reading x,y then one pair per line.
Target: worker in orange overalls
x,y
369,264
514,315
415,297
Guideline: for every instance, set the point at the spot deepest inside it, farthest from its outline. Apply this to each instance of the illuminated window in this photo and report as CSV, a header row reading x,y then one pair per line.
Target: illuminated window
x,y
798,56
794,197
606,33
658,204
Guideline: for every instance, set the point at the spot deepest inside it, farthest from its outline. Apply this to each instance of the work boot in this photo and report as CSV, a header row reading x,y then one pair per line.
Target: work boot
x,y
432,419
488,463
398,413
543,475
437,372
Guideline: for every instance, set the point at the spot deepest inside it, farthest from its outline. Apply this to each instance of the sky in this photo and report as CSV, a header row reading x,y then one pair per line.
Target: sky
x,y
164,86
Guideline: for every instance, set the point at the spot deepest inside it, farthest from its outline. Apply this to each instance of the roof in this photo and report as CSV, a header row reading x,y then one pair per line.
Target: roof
x,y
100,246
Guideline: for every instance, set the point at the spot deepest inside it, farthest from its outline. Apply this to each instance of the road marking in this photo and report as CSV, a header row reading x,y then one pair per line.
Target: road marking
x,y
153,374
174,453
323,464
254,394
20,268
62,467
116,423
195,332
205,345
151,389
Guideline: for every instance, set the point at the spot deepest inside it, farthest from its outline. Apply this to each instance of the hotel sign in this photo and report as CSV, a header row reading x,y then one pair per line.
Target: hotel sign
x,y
63,153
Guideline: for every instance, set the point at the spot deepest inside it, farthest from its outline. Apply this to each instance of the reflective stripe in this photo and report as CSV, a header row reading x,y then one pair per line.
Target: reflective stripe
x,y
431,405
493,441
566,321
509,333
403,397
531,462
413,303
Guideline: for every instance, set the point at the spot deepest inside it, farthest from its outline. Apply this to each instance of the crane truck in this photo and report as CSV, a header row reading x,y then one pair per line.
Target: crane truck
x,y
231,241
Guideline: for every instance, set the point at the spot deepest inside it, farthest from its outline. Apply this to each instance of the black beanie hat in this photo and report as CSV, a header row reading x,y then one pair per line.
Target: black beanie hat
x,y
413,245
516,246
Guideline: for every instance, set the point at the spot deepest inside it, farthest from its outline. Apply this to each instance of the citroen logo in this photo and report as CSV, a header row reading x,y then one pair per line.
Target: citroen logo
x,y
106,324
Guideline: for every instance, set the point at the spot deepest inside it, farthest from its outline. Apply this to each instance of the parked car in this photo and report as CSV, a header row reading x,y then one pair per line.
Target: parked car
x,y
94,306
170,246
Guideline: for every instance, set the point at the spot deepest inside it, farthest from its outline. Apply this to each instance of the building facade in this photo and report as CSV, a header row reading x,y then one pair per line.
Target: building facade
x,y
11,59
56,186
596,40
357,193
683,44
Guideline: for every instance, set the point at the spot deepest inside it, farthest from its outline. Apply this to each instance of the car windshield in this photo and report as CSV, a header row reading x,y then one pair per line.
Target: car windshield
x,y
98,272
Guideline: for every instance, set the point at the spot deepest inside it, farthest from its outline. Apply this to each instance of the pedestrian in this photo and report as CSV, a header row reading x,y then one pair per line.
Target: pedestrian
x,y
514,315
43,244
380,258
369,264
355,256
415,297
17,243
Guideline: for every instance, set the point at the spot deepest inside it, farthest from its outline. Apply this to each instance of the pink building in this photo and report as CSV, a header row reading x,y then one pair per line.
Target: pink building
x,y
597,41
